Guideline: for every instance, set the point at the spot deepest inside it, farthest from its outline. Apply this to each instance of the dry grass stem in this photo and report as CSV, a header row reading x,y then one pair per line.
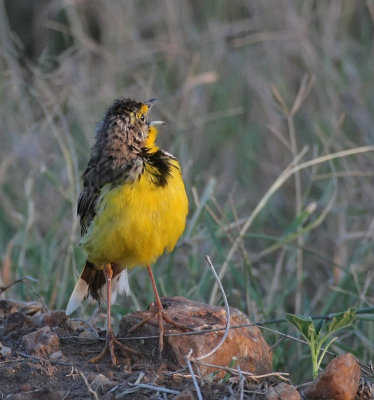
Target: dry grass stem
x,y
283,177
227,308
93,392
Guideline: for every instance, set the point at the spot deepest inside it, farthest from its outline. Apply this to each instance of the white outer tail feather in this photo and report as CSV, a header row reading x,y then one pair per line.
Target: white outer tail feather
x,y
80,292
123,283
120,284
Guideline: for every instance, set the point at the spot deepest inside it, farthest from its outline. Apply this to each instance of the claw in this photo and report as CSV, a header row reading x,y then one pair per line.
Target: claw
x,y
111,340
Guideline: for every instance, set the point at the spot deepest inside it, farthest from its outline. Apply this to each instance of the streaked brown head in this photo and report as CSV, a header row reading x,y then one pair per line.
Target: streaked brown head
x,y
125,123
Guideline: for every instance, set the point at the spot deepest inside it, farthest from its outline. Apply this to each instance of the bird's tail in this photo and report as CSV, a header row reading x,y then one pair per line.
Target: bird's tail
x,y
92,282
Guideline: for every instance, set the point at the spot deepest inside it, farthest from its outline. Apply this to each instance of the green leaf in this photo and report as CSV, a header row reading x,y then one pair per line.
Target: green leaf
x,y
304,325
227,376
342,320
299,220
319,325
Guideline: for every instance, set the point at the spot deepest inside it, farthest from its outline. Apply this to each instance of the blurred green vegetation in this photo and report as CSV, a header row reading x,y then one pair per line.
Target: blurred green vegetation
x,y
228,75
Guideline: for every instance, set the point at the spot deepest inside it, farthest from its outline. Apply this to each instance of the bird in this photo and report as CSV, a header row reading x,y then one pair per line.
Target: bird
x,y
133,207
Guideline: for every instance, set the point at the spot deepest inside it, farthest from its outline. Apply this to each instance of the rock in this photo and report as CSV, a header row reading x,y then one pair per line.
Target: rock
x,y
42,342
86,336
101,382
339,381
29,307
50,318
282,391
185,395
17,324
5,351
246,343
36,395
365,390
7,307
57,355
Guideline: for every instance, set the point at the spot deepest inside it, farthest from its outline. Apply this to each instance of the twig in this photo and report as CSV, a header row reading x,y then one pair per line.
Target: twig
x,y
198,392
280,375
285,336
126,392
139,378
152,387
259,324
227,308
94,394
5,288
241,383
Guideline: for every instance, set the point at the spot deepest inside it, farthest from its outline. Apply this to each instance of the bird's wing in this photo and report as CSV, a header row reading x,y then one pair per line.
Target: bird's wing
x,y
102,170
96,176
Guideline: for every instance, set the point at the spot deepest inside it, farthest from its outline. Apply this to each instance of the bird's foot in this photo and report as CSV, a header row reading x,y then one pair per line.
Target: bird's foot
x,y
161,317
111,340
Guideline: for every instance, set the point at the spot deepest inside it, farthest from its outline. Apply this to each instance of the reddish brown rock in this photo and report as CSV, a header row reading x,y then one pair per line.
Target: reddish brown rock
x,y
339,381
42,342
283,391
246,343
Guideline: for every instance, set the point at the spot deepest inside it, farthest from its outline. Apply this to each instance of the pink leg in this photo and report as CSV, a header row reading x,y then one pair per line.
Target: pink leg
x,y
110,337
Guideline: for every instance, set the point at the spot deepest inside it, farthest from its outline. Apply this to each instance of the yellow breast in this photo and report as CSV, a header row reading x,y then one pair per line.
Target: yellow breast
x,y
136,222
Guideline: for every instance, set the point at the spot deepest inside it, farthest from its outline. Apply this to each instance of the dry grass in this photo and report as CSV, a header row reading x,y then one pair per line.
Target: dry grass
x,y
251,92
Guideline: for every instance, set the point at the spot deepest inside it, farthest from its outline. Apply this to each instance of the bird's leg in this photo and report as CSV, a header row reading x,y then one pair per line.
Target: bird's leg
x,y
110,337
161,314
159,308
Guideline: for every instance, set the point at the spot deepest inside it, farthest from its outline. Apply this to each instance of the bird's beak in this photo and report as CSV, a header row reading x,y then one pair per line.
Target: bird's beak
x,y
150,103
153,123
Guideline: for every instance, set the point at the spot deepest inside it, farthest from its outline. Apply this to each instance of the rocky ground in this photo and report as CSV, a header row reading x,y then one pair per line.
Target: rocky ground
x,y
45,355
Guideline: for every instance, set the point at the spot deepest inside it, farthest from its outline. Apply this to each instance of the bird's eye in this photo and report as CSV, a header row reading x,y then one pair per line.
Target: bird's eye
x,y
141,116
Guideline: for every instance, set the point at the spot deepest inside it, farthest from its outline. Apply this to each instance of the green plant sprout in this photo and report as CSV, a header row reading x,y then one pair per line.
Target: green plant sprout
x,y
228,374
316,334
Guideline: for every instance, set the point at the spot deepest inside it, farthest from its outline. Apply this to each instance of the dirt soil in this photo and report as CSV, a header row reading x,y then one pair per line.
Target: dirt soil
x,y
61,369
68,374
